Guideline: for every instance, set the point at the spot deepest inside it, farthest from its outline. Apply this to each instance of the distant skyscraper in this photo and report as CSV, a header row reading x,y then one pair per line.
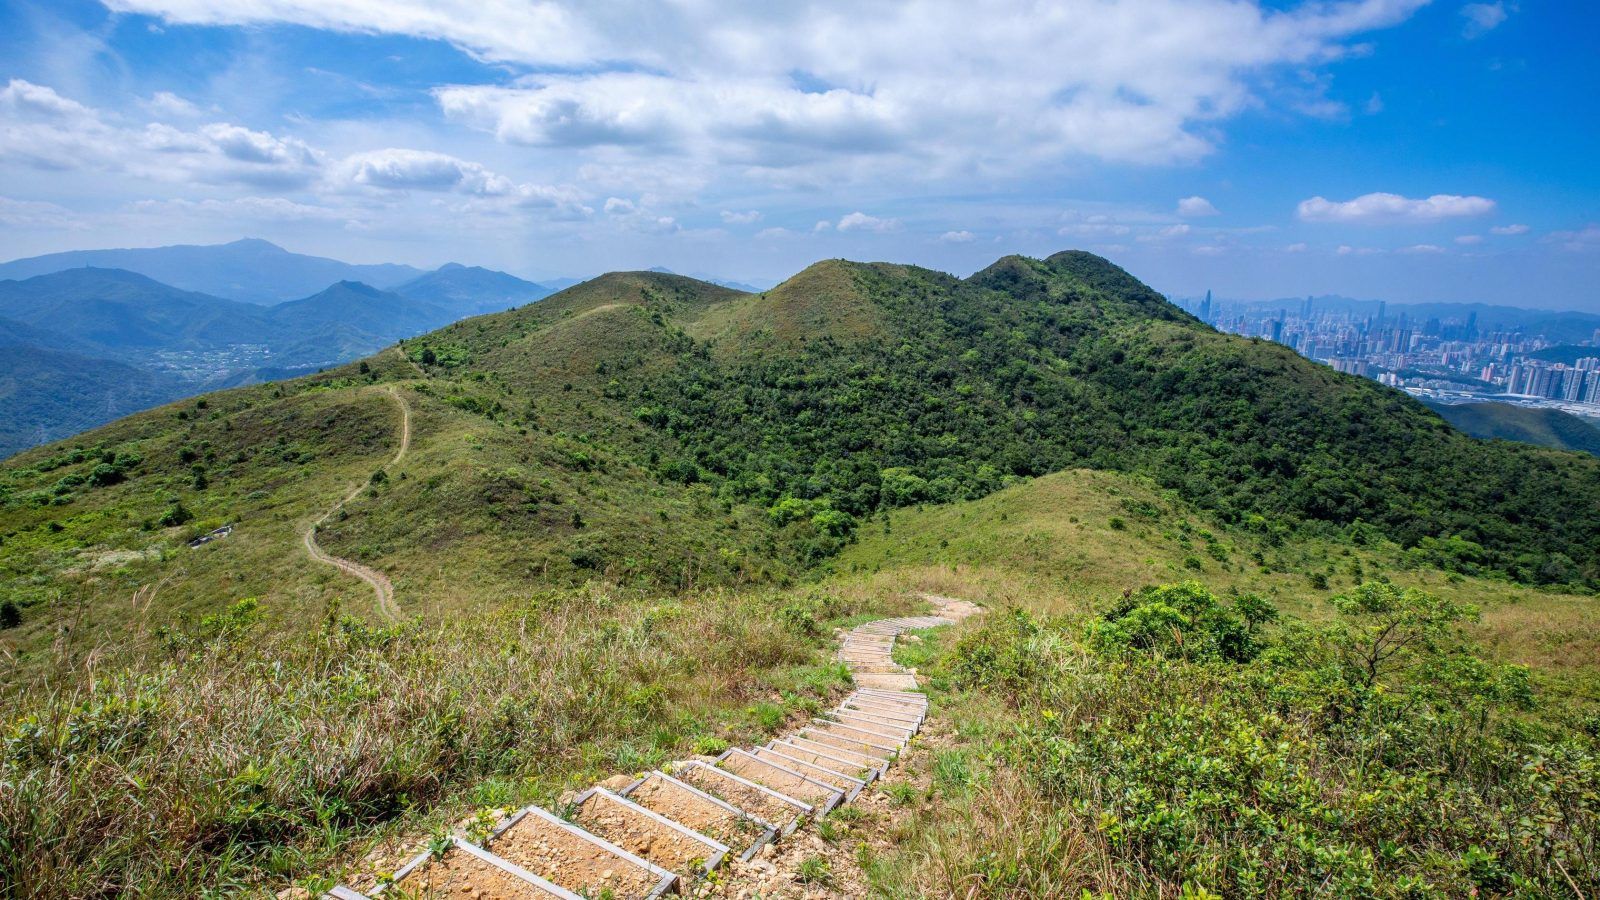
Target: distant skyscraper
x,y
1205,307
1305,312
1382,305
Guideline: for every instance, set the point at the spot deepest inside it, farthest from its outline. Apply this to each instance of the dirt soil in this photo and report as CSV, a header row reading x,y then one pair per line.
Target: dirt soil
x,y
566,859
458,874
758,804
693,811
795,786
643,836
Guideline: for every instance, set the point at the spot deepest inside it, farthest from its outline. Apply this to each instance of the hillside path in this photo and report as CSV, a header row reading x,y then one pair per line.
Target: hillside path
x,y
382,589
745,812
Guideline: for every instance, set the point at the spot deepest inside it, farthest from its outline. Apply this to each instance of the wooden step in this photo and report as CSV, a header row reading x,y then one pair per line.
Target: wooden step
x,y
872,738
886,714
468,870
822,796
820,736
850,784
898,730
648,834
576,859
866,761
711,816
772,806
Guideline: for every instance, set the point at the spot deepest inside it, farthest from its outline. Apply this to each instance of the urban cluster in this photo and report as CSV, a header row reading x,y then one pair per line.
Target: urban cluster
x,y
1450,357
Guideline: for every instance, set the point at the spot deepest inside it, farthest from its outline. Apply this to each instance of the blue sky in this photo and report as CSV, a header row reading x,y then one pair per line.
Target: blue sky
x,y
1377,148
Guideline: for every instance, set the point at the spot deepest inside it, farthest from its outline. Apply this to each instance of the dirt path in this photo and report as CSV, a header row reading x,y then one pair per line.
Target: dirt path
x,y
781,820
382,589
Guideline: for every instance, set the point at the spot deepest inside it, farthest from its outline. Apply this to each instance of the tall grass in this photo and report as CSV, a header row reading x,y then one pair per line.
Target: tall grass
x,y
240,761
1142,774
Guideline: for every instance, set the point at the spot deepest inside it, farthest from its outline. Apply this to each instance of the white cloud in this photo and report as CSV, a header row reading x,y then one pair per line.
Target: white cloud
x,y
1347,250
421,170
1468,240
166,103
1482,18
1383,208
1298,247
1421,249
958,237
1196,206
42,129
1583,240
741,218
860,221
1509,229
860,91
769,234
37,214
258,209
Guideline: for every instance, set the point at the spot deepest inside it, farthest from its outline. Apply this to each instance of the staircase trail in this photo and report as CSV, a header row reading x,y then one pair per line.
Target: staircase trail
x,y
666,830
382,590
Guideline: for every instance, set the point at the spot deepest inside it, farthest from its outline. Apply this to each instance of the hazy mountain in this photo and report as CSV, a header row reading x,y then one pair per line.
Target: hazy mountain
x,y
123,313
251,270
350,319
113,342
472,290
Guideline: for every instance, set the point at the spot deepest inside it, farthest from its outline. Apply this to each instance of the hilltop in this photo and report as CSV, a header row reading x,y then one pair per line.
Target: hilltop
x,y
650,428
629,515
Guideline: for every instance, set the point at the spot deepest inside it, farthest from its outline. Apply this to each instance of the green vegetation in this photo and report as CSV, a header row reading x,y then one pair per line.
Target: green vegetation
x,y
236,759
632,514
1509,422
1165,745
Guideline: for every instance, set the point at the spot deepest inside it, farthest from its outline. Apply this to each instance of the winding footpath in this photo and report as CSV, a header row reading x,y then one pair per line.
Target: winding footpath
x,y
382,589
671,830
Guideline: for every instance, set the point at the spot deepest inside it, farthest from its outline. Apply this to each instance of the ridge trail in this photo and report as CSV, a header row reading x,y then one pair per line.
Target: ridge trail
x,y
382,589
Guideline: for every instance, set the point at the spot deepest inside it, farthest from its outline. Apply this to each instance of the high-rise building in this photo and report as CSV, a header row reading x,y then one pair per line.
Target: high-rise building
x,y
1572,386
1205,307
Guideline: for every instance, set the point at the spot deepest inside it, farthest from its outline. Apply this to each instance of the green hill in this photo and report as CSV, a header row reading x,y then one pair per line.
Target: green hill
x,y
629,515
1510,422
655,430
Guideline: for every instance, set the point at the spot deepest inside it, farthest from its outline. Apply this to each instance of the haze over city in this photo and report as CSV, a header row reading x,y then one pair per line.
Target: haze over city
x,y
1393,149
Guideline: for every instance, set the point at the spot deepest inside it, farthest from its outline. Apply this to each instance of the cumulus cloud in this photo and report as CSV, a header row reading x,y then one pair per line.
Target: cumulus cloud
x,y
1482,18
1421,249
43,129
860,221
422,170
1381,208
1468,240
925,88
1196,206
1297,247
1509,229
958,237
749,217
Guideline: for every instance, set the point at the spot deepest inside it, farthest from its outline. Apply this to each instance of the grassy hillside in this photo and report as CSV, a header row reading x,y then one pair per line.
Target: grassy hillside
x,y
1509,422
1161,707
630,511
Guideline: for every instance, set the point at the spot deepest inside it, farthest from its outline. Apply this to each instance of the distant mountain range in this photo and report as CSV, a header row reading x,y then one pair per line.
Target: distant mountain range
x,y
251,270
84,345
